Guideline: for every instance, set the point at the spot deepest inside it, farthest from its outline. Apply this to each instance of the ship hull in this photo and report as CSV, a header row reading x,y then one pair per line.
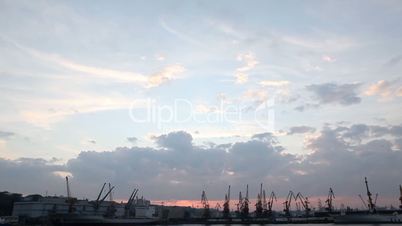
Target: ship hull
x,y
368,219
99,220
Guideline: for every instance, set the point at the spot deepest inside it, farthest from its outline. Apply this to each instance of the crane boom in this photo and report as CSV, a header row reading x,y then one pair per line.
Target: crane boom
x,y
371,204
100,193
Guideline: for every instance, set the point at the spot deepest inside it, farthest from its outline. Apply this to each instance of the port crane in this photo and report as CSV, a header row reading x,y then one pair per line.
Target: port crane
x,y
130,202
218,206
259,208
240,203
111,209
226,205
288,202
329,200
270,203
304,202
400,198
205,204
70,200
244,210
99,200
264,203
371,204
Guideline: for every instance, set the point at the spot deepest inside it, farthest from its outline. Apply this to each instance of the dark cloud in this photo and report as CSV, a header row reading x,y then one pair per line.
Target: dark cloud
x,y
301,129
307,106
339,162
92,141
332,93
340,156
176,140
132,140
6,134
27,176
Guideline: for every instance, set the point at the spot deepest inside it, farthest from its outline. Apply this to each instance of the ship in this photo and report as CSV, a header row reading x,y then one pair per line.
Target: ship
x,y
369,218
371,215
95,220
35,210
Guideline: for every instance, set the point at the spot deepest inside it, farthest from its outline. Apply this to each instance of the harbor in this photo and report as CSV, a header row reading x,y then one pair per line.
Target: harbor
x,y
297,209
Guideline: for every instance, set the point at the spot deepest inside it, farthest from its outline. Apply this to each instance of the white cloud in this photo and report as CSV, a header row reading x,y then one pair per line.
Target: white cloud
x,y
328,59
43,112
274,83
167,74
385,89
250,62
160,57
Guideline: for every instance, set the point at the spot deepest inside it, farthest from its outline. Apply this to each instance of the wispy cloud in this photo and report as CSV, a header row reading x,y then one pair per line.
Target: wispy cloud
x,y
168,73
181,35
274,83
385,89
249,62
45,111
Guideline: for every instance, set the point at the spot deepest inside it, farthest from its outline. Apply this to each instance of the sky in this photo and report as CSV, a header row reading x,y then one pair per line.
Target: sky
x,y
176,97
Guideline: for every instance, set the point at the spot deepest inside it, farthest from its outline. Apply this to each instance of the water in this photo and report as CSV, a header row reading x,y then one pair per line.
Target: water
x,y
278,224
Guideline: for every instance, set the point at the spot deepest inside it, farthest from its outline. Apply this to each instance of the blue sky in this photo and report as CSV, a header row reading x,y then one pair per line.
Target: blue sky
x,y
72,73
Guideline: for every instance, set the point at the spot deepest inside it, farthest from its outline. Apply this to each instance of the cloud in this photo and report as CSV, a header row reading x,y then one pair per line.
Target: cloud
x,y
322,42
328,59
385,89
329,93
300,129
183,169
168,73
181,35
31,176
92,141
307,106
180,140
250,63
274,83
6,134
45,111
336,155
132,140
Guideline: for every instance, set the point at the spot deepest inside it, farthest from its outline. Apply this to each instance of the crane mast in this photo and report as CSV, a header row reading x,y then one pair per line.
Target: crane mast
x,y
329,200
70,200
205,204
68,188
259,205
226,205
400,198
240,203
245,205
